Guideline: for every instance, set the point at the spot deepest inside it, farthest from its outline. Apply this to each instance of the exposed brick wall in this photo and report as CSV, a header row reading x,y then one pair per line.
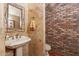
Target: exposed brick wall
x,y
62,28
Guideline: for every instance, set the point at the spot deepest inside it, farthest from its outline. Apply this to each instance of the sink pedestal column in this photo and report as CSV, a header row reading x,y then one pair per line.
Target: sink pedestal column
x,y
19,51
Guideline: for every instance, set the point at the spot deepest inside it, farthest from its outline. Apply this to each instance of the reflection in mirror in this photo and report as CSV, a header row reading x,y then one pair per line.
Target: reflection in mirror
x,y
15,18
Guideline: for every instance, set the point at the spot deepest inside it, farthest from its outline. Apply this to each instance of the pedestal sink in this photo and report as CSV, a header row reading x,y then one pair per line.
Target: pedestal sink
x,y
17,44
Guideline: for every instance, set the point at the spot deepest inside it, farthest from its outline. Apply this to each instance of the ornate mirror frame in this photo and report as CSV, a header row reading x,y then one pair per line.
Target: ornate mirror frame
x,y
22,28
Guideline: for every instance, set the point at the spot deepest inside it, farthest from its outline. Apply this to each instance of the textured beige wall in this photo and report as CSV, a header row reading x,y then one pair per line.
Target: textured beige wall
x,y
36,46
2,45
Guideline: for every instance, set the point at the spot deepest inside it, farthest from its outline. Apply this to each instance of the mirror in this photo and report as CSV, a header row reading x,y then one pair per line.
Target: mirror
x,y
15,18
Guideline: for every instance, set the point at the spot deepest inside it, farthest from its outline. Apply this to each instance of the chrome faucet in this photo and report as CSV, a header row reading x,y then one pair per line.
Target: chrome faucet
x,y
17,35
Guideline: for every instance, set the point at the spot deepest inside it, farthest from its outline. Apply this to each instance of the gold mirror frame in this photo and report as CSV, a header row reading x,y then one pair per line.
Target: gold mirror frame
x,y
22,16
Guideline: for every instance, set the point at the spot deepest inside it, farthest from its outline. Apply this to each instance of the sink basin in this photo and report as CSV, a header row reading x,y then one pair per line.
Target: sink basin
x,y
15,43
